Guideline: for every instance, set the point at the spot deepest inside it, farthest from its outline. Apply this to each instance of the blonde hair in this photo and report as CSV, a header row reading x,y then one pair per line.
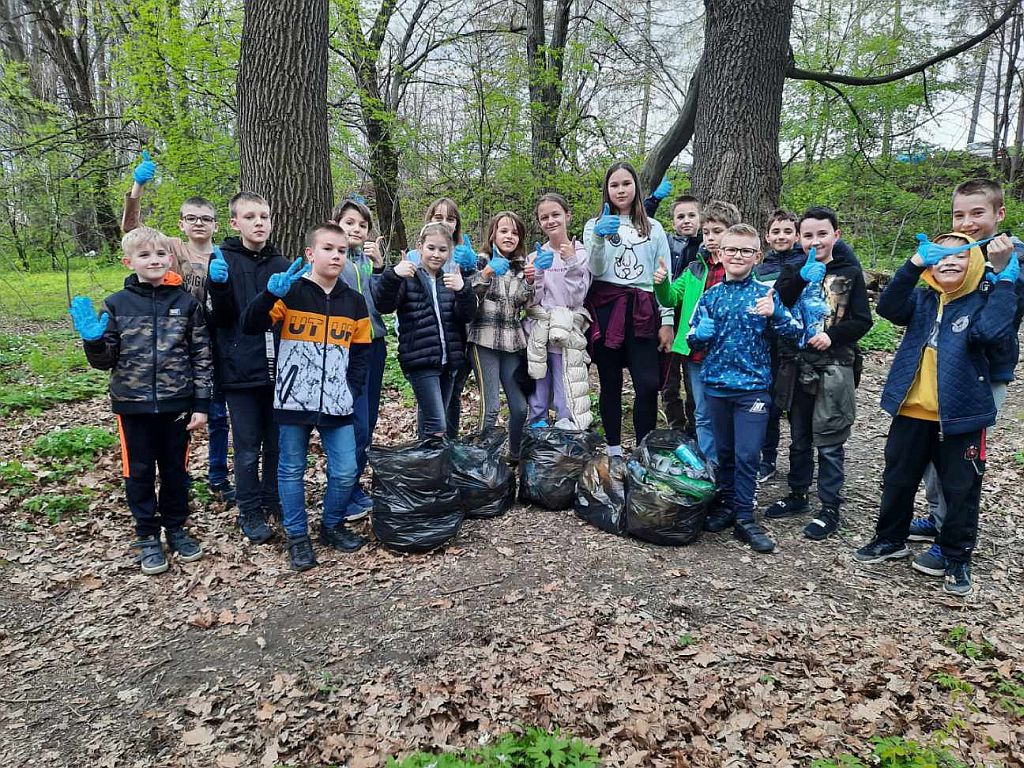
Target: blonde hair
x,y
140,235
744,230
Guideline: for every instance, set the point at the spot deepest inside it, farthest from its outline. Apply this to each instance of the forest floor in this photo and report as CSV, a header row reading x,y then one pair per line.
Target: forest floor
x,y
706,655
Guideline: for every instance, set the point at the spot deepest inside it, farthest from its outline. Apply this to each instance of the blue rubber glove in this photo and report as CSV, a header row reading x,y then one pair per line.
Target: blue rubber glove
x,y
607,224
89,327
144,171
663,190
1011,271
705,329
282,282
544,258
498,262
812,271
464,254
217,271
931,254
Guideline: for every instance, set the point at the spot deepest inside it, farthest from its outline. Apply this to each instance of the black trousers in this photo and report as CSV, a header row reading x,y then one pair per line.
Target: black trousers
x,y
641,357
678,405
960,463
150,442
254,434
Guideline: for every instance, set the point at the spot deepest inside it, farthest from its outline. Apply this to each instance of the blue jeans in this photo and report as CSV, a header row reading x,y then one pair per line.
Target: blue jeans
x,y
831,458
739,422
705,432
339,445
367,406
433,390
217,427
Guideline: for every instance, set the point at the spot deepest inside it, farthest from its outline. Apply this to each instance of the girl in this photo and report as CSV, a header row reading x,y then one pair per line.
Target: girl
x,y
433,308
625,249
560,280
497,333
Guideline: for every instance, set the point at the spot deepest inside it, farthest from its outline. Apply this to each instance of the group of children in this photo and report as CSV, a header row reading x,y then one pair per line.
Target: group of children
x,y
731,335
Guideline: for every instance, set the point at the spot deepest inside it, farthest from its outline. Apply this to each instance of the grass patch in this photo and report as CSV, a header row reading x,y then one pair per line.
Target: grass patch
x,y
883,336
43,295
55,507
896,752
960,640
536,748
74,443
40,370
394,379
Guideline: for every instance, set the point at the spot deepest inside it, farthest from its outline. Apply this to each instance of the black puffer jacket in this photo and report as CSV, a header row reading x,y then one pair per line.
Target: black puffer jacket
x,y
240,359
419,342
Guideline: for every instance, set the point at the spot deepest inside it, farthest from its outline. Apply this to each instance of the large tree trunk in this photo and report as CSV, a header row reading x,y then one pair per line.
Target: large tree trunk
x,y
282,113
546,66
736,130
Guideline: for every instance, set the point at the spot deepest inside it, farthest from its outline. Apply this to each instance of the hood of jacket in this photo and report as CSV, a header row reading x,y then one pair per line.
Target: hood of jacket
x,y
972,278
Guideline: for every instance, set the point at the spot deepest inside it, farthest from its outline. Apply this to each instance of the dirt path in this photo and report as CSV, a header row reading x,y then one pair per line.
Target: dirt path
x,y
707,655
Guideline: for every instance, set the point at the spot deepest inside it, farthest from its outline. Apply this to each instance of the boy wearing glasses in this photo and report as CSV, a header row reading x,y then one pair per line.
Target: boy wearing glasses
x,y
733,324
190,258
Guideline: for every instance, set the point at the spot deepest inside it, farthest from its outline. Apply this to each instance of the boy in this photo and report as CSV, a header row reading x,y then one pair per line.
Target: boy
x,y
731,323
699,276
198,221
321,372
940,397
365,260
244,363
780,235
159,391
816,383
977,210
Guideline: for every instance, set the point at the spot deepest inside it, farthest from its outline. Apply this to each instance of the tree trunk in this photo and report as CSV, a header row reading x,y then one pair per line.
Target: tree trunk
x,y
546,61
736,135
282,113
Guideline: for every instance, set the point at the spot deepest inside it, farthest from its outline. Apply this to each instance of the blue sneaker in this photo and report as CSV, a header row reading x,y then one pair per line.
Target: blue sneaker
x,y
930,562
923,529
958,578
539,424
360,499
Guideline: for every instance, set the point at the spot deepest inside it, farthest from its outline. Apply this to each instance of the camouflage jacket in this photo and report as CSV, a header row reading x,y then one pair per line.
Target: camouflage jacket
x,y
156,349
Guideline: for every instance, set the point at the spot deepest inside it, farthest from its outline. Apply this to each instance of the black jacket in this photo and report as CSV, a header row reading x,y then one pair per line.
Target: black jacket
x,y
241,360
156,349
419,342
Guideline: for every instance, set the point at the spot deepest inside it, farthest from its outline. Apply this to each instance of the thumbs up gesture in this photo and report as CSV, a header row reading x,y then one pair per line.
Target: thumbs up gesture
x,y
374,250
768,305
661,273
498,263
405,268
705,329
282,282
812,271
544,258
453,280
464,255
145,170
89,327
607,224
218,268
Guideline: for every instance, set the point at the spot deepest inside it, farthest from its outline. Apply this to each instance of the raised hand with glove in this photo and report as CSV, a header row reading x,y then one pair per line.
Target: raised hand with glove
x,y
217,271
813,271
544,258
464,255
498,264
607,225
89,326
279,284
705,330
145,170
663,190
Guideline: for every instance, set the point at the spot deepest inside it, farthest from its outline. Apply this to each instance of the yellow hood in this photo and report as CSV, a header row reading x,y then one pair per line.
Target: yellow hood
x,y
975,272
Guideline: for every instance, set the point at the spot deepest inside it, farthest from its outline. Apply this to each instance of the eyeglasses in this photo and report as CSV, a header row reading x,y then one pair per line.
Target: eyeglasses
x,y
192,219
746,253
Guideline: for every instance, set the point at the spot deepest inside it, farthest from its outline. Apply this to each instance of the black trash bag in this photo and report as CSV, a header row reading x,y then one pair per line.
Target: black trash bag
x,y
656,454
664,507
551,462
601,497
415,509
486,483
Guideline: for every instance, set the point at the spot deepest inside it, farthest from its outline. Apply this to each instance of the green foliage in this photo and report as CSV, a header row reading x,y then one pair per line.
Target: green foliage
x,y
953,684
896,752
57,506
959,639
537,748
1010,694
685,640
395,380
73,443
14,473
883,336
43,295
41,370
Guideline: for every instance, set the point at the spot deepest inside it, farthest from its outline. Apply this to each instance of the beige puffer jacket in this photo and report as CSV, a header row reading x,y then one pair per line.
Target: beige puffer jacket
x,y
562,329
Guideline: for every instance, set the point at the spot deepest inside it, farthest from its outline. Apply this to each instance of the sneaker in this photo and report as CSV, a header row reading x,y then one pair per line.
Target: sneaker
x,y
923,529
719,518
355,513
824,525
765,472
223,492
879,550
188,549
753,534
254,526
340,538
794,505
300,553
151,555
930,562
539,424
958,578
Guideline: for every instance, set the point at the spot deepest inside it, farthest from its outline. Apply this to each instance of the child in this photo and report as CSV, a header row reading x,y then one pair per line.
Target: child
x,y
560,282
704,272
816,383
322,358
364,262
939,394
433,308
781,238
245,363
625,247
731,322
189,258
159,391
496,334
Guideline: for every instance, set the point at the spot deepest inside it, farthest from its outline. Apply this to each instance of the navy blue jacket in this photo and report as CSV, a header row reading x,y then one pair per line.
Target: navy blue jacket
x,y
1003,359
771,265
971,326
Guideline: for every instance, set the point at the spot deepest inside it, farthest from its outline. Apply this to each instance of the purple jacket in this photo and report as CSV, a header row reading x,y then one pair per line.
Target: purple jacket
x,y
646,318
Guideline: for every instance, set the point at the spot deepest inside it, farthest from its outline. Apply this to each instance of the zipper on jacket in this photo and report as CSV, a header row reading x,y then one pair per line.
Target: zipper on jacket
x,y
323,362
156,331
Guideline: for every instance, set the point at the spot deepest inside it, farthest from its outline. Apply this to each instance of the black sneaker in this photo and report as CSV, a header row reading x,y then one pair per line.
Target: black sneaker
x,y
151,555
254,526
223,492
930,562
923,529
824,525
879,550
300,553
753,534
719,518
340,538
958,578
794,505
765,472
188,549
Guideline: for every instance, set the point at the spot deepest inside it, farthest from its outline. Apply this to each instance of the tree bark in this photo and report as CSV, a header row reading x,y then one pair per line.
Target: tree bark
x,y
546,64
282,113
